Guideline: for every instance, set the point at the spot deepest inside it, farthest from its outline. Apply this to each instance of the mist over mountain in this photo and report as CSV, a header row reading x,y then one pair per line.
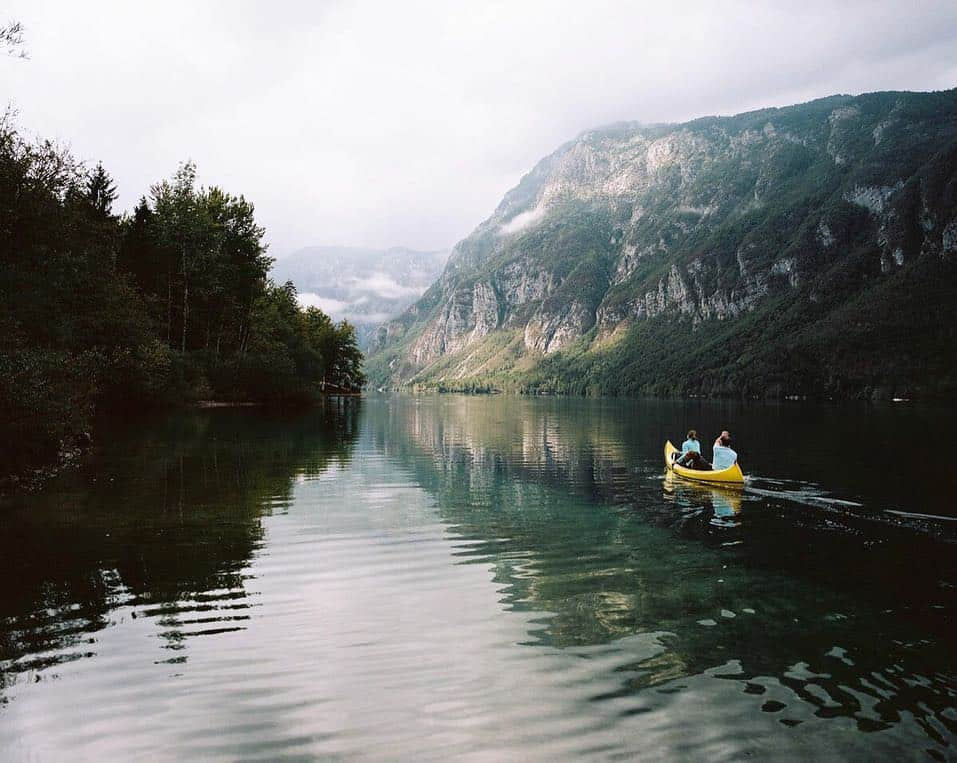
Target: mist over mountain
x,y
364,286
801,250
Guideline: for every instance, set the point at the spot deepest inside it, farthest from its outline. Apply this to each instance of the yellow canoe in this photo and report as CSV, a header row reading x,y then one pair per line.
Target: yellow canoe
x,y
732,475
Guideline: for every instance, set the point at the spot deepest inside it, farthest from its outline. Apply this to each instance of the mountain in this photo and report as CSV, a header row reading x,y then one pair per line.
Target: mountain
x,y
364,286
807,250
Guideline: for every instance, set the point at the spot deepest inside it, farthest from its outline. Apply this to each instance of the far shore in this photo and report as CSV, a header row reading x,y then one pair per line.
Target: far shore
x,y
224,404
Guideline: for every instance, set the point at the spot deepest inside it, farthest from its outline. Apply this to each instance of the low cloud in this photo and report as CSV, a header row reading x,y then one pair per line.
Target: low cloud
x,y
340,310
383,286
522,221
368,318
328,305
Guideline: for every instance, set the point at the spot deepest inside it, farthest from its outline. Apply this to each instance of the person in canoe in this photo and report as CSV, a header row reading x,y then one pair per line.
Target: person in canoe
x,y
690,455
724,457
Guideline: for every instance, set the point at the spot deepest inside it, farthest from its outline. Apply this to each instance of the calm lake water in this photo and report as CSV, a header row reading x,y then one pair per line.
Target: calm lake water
x,y
488,578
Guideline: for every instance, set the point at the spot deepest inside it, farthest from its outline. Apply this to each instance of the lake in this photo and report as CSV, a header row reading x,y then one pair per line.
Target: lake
x,y
488,578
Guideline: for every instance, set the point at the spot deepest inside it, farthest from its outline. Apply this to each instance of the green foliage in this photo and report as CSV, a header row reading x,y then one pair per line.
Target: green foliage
x,y
45,400
66,318
880,343
292,353
168,305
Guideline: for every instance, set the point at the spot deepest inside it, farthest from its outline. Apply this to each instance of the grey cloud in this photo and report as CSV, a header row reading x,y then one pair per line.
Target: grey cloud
x,y
382,124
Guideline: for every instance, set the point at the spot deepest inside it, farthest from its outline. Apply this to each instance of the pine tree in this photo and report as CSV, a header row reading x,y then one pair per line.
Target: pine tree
x,y
101,191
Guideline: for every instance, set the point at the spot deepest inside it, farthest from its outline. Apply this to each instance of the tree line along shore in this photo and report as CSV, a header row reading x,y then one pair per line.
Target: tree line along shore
x,y
166,306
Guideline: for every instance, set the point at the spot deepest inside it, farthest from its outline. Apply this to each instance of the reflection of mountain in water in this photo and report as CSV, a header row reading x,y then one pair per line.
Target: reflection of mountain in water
x,y
168,527
576,526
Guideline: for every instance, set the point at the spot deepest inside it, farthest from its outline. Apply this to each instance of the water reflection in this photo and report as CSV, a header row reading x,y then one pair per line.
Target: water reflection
x,y
433,577
570,513
162,523
721,504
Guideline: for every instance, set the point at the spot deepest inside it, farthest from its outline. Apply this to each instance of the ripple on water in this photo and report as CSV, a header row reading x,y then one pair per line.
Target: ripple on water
x,y
456,577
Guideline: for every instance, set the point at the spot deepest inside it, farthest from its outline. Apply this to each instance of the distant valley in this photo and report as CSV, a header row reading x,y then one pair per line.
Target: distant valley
x,y
364,286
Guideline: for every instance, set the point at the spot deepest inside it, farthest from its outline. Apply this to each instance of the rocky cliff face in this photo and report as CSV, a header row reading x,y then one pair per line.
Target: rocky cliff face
x,y
705,224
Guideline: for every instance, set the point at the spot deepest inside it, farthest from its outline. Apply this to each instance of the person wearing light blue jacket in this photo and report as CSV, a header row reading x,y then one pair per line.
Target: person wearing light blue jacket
x,y
724,457
690,455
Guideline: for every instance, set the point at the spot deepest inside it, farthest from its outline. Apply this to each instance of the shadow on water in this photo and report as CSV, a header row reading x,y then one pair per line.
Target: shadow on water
x,y
164,519
814,613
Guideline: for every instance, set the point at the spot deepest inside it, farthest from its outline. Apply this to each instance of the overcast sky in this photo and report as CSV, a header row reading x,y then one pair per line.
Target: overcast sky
x,y
403,123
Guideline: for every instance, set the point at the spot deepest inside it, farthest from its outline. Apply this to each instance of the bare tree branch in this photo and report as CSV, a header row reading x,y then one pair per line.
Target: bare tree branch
x,y
12,40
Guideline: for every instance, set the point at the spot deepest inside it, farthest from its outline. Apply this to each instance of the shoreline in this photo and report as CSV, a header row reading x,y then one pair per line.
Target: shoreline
x,y
223,404
34,479
911,398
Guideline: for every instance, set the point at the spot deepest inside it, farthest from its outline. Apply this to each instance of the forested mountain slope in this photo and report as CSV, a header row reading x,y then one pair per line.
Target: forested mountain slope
x,y
801,250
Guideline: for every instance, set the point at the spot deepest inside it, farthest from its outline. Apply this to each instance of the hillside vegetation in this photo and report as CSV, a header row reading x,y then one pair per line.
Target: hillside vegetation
x,y
807,250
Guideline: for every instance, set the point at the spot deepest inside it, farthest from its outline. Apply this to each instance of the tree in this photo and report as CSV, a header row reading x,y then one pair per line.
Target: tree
x,y
234,271
101,190
12,40
335,344
346,365
215,258
178,233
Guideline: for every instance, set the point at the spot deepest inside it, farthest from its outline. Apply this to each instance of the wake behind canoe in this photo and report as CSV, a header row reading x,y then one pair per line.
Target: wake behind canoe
x,y
732,475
